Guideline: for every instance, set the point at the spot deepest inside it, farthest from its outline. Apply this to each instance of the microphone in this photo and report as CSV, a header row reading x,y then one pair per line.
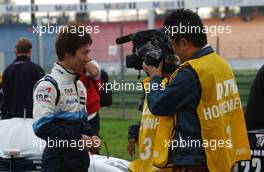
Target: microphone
x,y
124,39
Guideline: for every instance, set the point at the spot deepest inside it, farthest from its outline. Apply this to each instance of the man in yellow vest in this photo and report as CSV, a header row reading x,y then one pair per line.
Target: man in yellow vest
x,y
210,133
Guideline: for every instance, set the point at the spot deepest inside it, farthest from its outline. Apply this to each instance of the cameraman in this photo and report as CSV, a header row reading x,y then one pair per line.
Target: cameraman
x,y
194,96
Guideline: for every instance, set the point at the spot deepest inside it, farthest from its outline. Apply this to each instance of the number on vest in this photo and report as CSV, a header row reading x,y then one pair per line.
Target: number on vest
x,y
148,143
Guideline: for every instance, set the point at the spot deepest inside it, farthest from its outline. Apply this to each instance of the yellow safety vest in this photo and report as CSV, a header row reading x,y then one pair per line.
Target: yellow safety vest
x,y
147,140
220,113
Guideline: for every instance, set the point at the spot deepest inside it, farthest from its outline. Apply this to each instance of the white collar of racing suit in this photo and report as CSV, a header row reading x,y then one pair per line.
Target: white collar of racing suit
x,y
58,68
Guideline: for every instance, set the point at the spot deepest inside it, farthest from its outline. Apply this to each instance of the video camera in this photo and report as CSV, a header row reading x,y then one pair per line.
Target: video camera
x,y
150,47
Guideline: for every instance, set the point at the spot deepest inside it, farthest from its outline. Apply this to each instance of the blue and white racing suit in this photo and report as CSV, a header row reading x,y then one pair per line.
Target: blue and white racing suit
x,y
61,123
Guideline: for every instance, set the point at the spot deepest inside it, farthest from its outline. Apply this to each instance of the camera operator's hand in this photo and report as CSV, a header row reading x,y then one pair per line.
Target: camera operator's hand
x,y
131,147
152,70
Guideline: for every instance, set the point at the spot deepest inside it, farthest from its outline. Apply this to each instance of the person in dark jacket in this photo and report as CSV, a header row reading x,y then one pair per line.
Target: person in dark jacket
x,y
19,79
1,96
254,110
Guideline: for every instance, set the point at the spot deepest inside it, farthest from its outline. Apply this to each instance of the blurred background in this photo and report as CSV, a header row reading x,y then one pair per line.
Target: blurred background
x,y
243,47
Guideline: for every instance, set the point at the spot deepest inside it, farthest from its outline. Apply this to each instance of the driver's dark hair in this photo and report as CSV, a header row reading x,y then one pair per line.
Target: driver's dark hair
x,y
69,40
186,18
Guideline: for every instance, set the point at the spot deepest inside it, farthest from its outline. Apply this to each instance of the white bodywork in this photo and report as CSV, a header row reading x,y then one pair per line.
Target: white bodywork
x,y
18,139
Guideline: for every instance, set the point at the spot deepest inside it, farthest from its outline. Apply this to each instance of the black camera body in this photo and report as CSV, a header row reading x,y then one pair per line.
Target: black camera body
x,y
150,47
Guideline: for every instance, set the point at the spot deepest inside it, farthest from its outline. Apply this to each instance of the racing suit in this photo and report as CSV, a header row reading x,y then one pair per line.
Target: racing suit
x,y
61,123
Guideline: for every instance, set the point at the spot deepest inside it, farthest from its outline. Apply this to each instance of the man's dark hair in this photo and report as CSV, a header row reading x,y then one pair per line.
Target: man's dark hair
x,y
194,29
23,45
70,39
